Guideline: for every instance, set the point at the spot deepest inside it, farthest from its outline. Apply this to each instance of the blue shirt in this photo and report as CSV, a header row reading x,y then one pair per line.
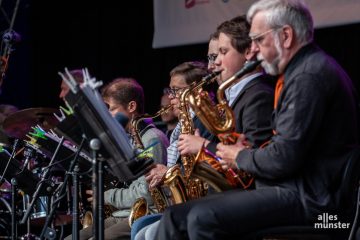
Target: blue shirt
x,y
232,92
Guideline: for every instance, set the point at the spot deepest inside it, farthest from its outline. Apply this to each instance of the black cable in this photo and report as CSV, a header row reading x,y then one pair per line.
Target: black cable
x,y
59,161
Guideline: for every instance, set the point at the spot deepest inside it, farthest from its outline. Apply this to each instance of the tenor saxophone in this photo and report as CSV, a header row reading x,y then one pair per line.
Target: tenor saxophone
x,y
194,187
140,207
219,120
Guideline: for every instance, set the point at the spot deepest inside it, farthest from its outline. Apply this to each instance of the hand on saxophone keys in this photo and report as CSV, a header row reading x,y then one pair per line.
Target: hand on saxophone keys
x,y
155,175
191,144
228,153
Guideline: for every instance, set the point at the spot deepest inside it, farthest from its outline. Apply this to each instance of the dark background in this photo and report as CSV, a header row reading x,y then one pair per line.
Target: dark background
x,y
113,39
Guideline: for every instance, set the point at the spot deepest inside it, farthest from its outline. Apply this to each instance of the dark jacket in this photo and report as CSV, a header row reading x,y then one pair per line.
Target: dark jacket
x,y
316,124
253,110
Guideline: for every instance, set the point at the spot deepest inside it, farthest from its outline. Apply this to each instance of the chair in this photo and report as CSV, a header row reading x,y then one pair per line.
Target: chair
x,y
348,191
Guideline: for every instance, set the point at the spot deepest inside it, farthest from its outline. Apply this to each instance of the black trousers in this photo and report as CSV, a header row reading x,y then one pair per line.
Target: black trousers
x,y
231,214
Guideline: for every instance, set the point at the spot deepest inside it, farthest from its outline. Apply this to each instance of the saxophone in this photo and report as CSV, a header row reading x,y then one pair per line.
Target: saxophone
x,y
219,120
194,187
140,207
86,216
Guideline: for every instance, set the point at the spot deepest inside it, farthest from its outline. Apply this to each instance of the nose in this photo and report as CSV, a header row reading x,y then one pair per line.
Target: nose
x,y
171,96
254,47
217,61
173,101
211,66
62,95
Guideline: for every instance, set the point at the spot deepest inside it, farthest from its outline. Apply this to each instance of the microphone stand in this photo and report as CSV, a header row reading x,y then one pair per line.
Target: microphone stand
x,y
50,233
14,189
75,202
98,190
40,186
75,206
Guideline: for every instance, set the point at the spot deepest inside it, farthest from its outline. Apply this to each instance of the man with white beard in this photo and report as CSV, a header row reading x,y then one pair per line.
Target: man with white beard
x,y
298,173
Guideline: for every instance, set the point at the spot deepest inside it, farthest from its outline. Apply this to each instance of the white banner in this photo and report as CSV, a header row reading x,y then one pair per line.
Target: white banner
x,y
181,22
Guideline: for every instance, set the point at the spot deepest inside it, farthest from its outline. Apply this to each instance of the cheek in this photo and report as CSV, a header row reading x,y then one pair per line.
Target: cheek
x,y
113,113
176,111
268,51
174,102
231,66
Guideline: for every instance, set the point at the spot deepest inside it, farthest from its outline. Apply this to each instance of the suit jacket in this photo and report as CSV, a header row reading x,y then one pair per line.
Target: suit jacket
x,y
316,124
253,108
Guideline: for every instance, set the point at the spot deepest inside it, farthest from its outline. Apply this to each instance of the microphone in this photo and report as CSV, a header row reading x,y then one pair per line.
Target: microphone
x,y
122,119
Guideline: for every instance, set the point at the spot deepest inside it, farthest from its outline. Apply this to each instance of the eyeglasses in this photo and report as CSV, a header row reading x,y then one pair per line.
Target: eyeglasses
x,y
258,38
173,92
212,57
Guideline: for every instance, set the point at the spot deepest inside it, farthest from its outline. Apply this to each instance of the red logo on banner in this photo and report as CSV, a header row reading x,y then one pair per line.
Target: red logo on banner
x,y
192,3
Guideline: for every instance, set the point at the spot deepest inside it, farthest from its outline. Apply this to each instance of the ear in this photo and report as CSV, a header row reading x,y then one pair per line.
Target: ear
x,y
132,107
288,36
250,53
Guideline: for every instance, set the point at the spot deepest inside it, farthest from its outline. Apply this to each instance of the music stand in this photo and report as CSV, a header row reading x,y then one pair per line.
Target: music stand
x,y
96,122
108,141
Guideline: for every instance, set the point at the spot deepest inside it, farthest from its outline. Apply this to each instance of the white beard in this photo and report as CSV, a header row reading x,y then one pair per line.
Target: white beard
x,y
273,67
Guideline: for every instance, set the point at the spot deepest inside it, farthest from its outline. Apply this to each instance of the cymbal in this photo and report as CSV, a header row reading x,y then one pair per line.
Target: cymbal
x,y
18,124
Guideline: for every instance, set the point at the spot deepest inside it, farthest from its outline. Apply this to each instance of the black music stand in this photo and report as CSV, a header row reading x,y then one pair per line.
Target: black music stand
x,y
107,138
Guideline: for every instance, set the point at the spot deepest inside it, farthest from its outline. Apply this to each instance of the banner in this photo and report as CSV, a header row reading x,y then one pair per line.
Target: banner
x,y
182,22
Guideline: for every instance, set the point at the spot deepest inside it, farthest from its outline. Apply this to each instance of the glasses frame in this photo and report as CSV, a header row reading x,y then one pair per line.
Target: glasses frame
x,y
173,92
258,38
212,58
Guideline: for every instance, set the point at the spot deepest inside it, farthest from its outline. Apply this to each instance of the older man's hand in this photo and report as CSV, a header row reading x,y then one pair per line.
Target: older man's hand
x,y
155,175
228,153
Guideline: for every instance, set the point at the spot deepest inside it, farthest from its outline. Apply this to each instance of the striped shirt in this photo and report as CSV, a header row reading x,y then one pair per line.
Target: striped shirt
x,y
172,151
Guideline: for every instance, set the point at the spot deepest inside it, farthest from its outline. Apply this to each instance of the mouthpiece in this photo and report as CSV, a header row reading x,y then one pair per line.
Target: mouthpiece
x,y
248,67
212,75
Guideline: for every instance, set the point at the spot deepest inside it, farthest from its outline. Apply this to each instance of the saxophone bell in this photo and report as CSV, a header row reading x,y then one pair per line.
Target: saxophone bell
x,y
139,208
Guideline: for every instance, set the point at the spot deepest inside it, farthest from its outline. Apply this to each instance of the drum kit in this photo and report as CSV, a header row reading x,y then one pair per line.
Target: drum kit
x,y
29,162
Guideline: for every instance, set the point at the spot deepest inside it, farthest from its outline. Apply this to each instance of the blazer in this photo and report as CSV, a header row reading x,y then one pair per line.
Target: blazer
x,y
316,125
253,108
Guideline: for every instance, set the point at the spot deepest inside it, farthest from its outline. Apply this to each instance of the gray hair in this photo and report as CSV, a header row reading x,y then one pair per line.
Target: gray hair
x,y
286,12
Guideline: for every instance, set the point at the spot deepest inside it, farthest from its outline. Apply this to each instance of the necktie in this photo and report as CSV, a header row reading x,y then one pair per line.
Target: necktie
x,y
278,88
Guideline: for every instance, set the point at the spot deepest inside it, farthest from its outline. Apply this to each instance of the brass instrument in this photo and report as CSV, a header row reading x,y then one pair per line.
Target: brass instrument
x,y
86,216
185,118
185,187
87,219
140,207
219,119
134,125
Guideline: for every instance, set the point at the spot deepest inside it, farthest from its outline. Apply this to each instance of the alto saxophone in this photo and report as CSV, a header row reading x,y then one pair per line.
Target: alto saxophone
x,y
194,187
140,207
219,120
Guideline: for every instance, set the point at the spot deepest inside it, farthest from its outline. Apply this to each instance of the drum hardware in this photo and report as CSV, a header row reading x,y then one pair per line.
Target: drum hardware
x,y
5,212
40,186
18,124
45,143
11,156
46,230
14,190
